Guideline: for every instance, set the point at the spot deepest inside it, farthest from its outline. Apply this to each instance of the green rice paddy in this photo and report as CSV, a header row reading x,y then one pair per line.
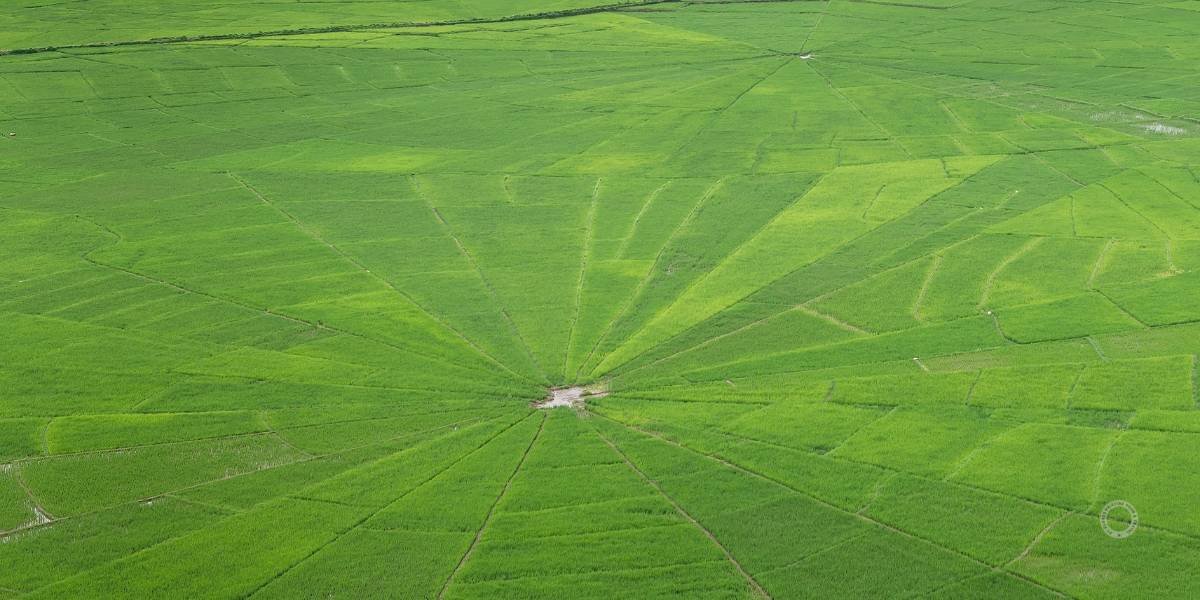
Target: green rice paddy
x,y
871,299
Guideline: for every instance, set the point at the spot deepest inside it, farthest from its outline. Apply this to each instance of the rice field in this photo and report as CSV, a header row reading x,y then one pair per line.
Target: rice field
x,y
828,299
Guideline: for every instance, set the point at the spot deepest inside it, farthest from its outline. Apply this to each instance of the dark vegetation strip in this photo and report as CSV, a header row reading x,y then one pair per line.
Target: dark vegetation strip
x,y
535,16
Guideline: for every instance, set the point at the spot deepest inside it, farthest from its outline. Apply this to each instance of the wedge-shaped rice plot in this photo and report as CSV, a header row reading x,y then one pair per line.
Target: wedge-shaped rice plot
x,y
927,441
417,521
1040,386
98,432
832,205
886,302
1051,268
1162,383
800,327
1159,301
1072,558
819,426
666,539
1052,464
78,483
896,390
1159,502
927,506
1076,316
38,558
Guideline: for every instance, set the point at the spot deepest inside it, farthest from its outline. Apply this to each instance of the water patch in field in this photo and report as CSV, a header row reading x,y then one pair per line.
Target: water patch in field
x,y
40,517
571,397
1164,129
1119,116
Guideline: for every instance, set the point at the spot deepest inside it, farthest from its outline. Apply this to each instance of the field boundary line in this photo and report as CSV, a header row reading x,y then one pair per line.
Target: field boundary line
x,y
633,395
876,491
1103,462
754,585
720,111
262,418
833,344
637,219
228,510
990,281
492,509
857,430
891,137
1124,310
812,312
1142,169
830,391
1196,380
824,11
1074,217
1003,334
866,211
971,390
641,285
1101,262
1079,377
968,456
584,258
1169,250
921,293
619,571
45,441
1038,538
1005,339
1095,345
40,514
850,539
1166,235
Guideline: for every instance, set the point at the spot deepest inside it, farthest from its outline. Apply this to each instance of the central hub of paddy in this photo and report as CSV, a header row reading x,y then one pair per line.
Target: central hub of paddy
x,y
575,396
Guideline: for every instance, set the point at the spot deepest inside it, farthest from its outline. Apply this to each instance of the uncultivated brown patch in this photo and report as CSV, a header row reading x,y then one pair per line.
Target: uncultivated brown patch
x,y
574,397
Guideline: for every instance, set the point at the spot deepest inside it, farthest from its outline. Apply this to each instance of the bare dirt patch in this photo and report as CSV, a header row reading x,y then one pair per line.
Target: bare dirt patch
x,y
572,397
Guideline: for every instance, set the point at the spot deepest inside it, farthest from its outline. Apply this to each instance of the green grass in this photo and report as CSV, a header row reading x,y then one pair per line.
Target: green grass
x,y
888,298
